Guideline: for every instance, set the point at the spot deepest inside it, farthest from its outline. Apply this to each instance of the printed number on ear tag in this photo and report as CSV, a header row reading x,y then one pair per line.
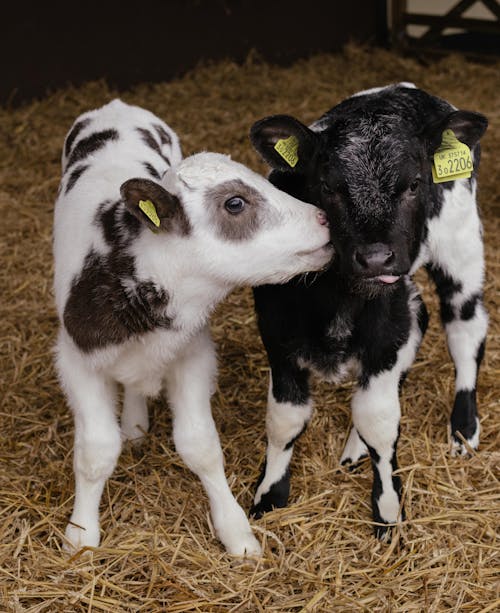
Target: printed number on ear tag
x,y
148,208
287,148
452,159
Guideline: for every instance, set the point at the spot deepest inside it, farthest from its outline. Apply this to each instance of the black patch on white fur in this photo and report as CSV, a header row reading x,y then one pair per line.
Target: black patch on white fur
x,y
468,308
107,305
275,498
446,288
163,134
464,415
118,226
152,143
75,131
152,171
90,144
74,176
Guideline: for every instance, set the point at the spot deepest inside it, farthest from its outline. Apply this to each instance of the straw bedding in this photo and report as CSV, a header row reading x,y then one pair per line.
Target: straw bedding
x,y
158,551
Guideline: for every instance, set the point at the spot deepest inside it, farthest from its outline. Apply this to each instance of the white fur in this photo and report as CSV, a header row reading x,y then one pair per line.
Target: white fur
x,y
197,270
455,244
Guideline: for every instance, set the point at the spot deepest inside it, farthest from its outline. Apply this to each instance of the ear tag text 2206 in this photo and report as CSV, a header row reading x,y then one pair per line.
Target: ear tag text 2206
x,y
452,159
287,148
149,209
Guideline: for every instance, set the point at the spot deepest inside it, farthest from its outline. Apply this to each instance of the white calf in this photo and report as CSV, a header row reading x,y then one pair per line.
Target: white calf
x,y
145,247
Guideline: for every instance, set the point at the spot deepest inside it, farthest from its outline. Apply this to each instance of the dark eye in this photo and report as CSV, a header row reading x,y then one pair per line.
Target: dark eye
x,y
235,205
414,185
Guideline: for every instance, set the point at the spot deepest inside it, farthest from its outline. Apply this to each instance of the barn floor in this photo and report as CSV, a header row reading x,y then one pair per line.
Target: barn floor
x,y
158,552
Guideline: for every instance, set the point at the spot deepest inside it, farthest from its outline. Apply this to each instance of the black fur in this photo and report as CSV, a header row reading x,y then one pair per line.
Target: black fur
x,y
367,163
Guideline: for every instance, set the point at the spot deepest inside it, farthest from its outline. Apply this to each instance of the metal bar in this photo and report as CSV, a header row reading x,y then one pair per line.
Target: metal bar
x,y
439,23
493,6
455,11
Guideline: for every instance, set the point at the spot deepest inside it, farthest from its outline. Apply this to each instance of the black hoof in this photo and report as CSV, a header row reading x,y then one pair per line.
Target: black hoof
x,y
354,466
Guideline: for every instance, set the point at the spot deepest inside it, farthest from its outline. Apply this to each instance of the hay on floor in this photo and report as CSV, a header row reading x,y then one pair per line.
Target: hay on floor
x,y
158,552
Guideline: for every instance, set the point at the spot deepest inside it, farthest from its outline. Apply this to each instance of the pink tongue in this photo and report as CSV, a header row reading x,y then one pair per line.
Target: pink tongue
x,y
387,278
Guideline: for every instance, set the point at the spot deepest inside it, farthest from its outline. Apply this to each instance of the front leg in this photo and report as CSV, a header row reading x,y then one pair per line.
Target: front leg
x,y
376,417
289,409
376,414
189,386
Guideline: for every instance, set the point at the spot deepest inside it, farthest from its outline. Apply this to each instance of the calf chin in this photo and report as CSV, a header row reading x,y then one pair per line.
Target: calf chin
x,y
370,288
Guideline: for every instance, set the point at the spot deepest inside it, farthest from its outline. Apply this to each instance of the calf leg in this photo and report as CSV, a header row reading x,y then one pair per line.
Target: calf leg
x,y
376,414
376,417
97,443
354,451
289,409
189,386
457,268
134,419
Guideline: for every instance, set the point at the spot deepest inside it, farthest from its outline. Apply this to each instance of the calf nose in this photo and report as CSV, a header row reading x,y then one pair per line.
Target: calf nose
x,y
322,218
373,259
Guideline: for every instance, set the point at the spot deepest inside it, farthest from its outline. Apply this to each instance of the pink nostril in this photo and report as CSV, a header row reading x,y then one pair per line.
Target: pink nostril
x,y
322,218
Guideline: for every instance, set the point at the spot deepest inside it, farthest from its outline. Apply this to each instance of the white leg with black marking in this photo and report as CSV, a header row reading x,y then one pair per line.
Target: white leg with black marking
x,y
189,386
376,414
97,444
134,419
376,417
284,423
354,450
456,264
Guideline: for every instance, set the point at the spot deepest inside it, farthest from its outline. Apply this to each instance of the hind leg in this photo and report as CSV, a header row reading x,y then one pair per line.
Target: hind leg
x,y
134,419
457,269
97,443
465,321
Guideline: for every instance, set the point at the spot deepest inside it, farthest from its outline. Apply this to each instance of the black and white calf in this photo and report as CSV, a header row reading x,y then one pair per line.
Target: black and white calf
x,y
367,163
145,246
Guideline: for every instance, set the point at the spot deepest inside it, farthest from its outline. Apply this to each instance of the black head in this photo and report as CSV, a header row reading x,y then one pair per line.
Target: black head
x,y
367,163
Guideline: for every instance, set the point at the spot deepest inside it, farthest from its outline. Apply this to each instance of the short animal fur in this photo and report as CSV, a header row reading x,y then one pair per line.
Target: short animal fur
x,y
135,286
367,163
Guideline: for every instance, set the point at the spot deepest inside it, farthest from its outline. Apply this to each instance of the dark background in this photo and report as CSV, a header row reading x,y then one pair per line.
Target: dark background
x,y
47,44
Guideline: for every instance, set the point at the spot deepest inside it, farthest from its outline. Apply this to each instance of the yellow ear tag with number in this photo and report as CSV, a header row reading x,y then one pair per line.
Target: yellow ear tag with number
x,y
452,159
148,208
287,148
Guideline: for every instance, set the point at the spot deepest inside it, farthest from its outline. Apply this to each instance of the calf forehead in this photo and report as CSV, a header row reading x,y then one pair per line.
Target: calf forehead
x,y
373,155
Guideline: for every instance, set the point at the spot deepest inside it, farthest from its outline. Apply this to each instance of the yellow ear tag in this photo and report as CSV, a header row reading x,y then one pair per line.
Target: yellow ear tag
x,y
287,148
452,159
148,208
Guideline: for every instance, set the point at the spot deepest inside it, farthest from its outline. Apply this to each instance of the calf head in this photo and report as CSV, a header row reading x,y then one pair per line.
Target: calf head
x,y
367,163
239,228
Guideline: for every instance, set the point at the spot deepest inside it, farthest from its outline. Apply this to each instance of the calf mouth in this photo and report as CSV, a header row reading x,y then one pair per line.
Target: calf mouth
x,y
378,285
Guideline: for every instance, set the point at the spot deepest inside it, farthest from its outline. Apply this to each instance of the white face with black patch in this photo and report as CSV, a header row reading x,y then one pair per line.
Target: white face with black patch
x,y
243,229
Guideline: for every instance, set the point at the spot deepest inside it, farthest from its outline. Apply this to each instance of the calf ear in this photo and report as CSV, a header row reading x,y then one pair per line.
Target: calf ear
x,y
467,126
154,206
284,142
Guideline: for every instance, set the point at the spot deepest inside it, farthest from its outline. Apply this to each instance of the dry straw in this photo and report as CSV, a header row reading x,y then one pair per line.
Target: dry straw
x,y
158,551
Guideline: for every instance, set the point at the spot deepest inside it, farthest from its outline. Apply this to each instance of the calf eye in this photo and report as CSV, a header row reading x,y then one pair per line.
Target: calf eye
x,y
234,205
414,185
